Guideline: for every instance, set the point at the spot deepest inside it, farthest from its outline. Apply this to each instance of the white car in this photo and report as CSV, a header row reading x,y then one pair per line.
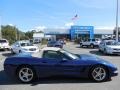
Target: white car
x,y
90,42
23,46
110,47
4,44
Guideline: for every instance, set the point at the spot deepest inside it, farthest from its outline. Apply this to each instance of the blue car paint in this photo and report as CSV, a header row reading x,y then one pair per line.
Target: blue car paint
x,y
47,67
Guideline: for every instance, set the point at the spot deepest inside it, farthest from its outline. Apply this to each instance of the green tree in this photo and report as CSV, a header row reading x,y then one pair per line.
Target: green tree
x,y
9,33
29,34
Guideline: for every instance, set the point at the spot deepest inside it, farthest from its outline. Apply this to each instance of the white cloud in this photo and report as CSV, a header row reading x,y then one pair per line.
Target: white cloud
x,y
69,24
11,24
40,28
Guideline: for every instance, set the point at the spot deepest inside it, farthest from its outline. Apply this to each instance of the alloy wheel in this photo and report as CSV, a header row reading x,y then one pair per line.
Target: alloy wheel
x,y
99,74
26,74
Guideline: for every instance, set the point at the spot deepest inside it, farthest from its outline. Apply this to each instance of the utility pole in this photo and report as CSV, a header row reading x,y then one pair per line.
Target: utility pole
x,y
0,28
117,36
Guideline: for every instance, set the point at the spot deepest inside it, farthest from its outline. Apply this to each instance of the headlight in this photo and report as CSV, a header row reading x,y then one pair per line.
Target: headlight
x,y
108,48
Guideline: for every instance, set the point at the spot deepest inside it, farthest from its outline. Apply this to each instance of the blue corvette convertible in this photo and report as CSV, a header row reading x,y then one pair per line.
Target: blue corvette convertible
x,y
52,61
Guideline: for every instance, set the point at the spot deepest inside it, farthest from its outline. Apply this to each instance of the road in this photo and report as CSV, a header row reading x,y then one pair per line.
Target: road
x,y
62,83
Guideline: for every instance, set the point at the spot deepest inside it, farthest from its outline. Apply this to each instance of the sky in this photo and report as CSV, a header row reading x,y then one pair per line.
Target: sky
x,y
33,14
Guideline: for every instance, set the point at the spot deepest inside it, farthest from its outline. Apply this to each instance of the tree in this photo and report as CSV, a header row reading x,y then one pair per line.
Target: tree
x,y
9,33
29,34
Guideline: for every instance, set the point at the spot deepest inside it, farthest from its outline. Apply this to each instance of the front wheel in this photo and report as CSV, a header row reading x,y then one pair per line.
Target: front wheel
x,y
99,74
105,52
81,45
25,74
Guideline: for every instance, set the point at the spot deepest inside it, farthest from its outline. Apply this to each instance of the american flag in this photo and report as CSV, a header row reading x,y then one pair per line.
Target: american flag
x,y
75,17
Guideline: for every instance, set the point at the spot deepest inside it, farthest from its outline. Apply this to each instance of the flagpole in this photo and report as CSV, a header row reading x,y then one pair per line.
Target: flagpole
x,y
117,35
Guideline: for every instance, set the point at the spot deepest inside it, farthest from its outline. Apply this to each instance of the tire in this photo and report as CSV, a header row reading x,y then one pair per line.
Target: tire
x,y
26,74
20,51
12,51
105,52
81,45
99,73
99,50
92,45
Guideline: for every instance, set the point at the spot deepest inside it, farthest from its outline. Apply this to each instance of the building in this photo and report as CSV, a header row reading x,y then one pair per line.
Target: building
x,y
82,32
78,32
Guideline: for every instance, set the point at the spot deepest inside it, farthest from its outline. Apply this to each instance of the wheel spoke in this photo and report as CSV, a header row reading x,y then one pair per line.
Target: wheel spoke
x,y
99,73
26,74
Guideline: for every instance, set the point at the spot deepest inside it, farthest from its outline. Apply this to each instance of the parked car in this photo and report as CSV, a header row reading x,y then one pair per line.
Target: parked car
x,y
52,61
55,44
109,47
23,46
4,44
90,43
62,41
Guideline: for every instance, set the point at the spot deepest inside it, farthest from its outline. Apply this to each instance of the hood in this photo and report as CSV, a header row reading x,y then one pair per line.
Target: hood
x,y
23,55
29,47
94,60
114,46
89,57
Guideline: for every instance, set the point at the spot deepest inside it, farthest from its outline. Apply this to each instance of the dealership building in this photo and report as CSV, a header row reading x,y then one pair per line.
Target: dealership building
x,y
82,32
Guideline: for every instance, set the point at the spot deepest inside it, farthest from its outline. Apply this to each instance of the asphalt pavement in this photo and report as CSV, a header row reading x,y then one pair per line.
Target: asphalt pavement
x,y
60,83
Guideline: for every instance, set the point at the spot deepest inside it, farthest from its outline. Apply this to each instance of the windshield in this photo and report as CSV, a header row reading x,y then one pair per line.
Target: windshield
x,y
73,56
3,41
26,44
112,43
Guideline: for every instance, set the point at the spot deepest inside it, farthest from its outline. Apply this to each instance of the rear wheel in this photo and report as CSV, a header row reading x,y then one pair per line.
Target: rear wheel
x,y
91,45
99,74
26,74
12,51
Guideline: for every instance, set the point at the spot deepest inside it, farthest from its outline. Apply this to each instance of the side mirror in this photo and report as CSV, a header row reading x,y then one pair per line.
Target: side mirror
x,y
64,60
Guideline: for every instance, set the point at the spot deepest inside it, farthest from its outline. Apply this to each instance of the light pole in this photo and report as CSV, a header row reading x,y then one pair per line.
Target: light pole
x,y
117,22
0,28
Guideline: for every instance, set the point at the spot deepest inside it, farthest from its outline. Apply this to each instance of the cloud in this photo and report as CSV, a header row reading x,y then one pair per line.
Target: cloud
x,y
40,28
11,24
69,24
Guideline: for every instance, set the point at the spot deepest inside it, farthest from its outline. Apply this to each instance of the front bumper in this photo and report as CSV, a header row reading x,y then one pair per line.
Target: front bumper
x,y
113,51
114,73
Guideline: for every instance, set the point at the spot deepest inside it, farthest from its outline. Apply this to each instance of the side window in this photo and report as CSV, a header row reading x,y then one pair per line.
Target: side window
x,y
88,40
65,57
51,55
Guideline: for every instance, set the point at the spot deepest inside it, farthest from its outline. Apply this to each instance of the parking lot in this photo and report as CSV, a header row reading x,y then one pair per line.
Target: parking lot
x,y
56,83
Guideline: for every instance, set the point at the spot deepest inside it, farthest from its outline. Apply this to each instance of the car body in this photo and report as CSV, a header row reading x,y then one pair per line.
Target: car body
x,y
90,42
62,41
4,44
110,47
24,46
55,44
52,61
